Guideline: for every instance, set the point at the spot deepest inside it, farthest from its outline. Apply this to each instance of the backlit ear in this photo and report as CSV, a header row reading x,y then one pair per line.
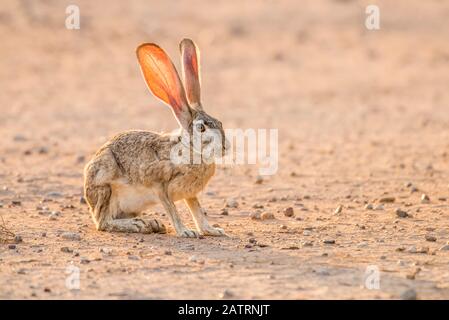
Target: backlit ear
x,y
163,80
190,59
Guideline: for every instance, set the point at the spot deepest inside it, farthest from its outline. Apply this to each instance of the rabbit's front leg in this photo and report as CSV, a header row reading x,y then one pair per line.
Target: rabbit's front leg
x,y
201,222
180,229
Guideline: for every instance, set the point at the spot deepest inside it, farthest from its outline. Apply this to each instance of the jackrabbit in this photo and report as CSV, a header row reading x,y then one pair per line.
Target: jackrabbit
x,y
135,169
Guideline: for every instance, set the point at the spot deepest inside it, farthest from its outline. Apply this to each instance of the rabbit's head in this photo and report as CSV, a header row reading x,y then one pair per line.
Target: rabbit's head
x,y
163,81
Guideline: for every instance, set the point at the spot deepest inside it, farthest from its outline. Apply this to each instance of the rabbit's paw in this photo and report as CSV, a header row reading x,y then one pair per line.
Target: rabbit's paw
x,y
211,231
187,233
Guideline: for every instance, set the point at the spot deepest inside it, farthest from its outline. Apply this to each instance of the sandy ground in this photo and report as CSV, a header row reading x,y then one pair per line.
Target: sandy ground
x,y
362,115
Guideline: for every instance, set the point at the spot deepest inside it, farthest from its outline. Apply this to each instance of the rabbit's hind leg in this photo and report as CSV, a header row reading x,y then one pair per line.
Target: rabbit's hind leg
x,y
107,217
135,225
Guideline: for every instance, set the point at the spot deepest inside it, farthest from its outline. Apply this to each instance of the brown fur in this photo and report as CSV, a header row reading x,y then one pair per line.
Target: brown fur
x,y
133,171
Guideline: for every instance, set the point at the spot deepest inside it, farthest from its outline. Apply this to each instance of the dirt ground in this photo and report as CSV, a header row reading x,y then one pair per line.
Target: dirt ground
x,y
362,115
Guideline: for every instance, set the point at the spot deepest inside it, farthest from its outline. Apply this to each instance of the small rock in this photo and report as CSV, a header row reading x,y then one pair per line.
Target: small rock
x,y
430,238
339,209
18,239
329,241
82,200
259,180
409,294
252,240
425,199
42,150
226,294
258,206
21,271
54,194
444,248
66,250
369,206
414,189
379,207
84,260
106,251
255,216
283,227
307,243
71,236
80,159
12,246
232,203
412,249
267,216
224,212
387,200
167,252
401,213
16,202
306,233
289,212
20,138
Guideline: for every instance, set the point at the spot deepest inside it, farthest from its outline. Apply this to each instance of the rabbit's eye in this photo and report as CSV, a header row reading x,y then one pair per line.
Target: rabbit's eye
x,y
200,127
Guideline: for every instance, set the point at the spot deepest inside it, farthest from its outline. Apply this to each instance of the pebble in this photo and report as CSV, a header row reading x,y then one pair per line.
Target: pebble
x,y
54,194
409,294
16,202
369,206
283,227
232,203
329,241
430,238
12,246
84,261
258,206
379,207
259,180
224,212
267,216
83,200
106,251
18,239
226,294
444,248
71,236
289,212
387,200
401,213
412,249
339,209
66,250
425,199
255,216
306,233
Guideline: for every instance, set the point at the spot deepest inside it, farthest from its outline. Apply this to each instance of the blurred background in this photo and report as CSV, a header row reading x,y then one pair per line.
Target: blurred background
x,y
310,68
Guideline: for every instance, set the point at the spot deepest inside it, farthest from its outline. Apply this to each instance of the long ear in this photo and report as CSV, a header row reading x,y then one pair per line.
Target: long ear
x,y
163,80
190,58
